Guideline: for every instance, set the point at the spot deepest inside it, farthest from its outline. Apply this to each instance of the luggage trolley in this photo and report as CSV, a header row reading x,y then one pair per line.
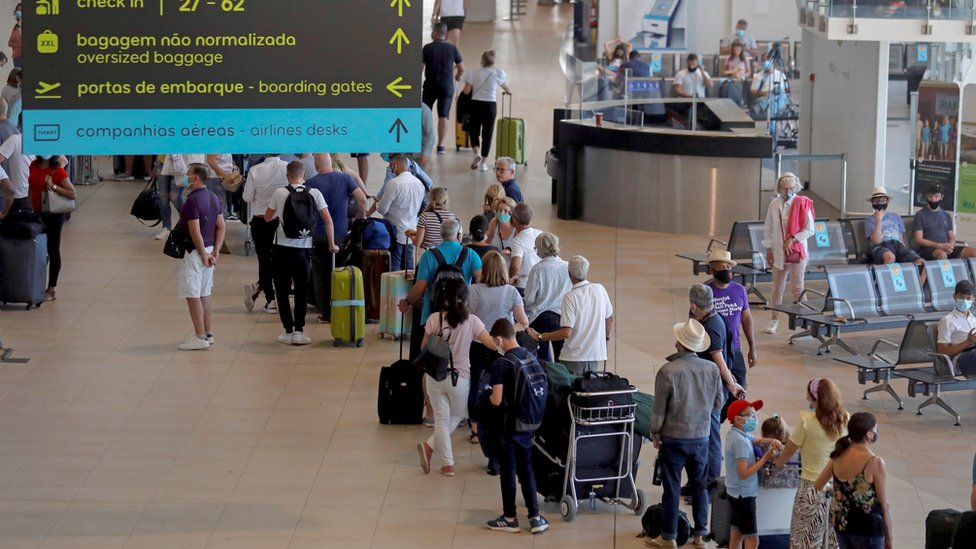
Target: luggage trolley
x,y
602,422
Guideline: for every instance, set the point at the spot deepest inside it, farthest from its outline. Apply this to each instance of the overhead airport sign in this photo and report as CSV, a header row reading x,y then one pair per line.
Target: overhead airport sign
x,y
221,76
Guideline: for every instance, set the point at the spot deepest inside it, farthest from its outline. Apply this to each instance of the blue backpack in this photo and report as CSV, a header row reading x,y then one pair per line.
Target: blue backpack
x,y
531,394
378,234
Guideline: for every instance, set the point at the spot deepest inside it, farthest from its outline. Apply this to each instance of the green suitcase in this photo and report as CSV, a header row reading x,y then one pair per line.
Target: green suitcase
x,y
510,134
348,307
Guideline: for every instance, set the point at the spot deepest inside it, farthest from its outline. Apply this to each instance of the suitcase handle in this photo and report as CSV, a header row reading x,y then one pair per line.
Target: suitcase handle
x,y
510,108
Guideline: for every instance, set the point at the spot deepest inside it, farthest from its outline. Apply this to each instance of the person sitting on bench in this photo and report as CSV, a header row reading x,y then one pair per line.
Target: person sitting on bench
x,y
957,330
933,230
886,231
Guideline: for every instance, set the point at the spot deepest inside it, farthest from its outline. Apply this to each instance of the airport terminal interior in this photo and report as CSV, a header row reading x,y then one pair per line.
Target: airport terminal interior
x,y
112,437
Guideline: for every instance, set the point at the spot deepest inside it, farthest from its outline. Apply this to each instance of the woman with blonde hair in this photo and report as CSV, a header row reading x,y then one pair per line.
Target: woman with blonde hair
x,y
428,233
483,83
493,192
815,436
501,232
789,224
491,299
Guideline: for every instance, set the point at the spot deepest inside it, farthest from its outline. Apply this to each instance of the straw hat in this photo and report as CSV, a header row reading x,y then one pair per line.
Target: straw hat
x,y
878,192
692,336
721,256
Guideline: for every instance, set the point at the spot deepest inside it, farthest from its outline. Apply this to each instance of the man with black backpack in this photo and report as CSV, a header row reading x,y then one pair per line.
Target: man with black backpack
x,y
519,389
299,209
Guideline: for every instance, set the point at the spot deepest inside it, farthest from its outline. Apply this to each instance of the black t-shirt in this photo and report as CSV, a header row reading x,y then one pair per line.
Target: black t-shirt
x,y
502,372
482,250
721,338
439,60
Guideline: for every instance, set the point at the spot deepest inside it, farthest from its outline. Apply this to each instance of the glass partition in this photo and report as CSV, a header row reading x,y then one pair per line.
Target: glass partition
x,y
907,9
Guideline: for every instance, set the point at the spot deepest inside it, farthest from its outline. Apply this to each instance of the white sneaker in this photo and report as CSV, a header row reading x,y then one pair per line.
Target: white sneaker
x,y
250,290
476,163
772,327
194,343
162,235
271,308
484,166
299,338
287,339
211,340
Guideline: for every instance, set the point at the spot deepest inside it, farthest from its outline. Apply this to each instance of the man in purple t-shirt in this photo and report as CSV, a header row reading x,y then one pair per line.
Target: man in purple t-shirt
x,y
732,302
202,223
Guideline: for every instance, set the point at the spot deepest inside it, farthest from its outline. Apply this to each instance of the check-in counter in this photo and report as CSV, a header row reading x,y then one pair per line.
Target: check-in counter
x,y
659,178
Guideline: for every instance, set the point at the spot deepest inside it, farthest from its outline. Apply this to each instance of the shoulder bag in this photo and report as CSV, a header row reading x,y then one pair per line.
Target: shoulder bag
x,y
52,202
436,358
177,244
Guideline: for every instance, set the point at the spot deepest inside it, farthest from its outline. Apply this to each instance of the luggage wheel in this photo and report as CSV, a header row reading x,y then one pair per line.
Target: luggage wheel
x,y
640,502
359,343
567,508
336,343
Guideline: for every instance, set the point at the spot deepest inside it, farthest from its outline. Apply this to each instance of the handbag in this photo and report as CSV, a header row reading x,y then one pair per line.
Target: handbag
x,y
436,358
146,205
52,202
233,181
791,256
177,164
177,244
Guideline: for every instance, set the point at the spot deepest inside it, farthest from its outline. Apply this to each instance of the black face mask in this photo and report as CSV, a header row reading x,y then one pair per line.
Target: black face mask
x,y
934,204
879,207
723,276
692,69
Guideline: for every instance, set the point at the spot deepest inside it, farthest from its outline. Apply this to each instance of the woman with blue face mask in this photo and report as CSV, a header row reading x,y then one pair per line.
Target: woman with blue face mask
x,y
785,238
16,40
501,232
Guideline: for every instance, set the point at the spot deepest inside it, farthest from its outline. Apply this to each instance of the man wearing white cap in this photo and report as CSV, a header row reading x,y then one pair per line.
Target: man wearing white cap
x,y
886,231
687,390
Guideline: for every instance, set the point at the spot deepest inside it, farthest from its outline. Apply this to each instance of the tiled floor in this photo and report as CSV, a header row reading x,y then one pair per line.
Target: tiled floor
x,y
112,438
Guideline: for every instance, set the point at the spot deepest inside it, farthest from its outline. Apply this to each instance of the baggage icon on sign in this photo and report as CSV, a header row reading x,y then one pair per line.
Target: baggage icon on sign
x,y
47,42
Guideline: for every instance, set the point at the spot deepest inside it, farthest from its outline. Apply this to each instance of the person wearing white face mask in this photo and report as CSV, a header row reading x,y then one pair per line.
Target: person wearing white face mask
x,y
789,223
742,35
957,330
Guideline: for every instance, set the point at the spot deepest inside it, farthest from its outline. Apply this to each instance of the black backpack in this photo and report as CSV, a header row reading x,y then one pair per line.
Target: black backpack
x,y
445,271
531,393
300,213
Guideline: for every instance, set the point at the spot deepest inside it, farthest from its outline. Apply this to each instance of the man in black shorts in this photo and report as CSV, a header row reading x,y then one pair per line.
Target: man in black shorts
x,y
442,68
934,232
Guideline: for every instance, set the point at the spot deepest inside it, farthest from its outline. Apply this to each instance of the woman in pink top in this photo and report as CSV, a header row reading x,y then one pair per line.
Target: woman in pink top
x,y
15,41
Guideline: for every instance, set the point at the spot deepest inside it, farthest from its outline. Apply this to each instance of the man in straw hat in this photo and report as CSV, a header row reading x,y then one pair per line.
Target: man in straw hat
x,y
680,428
886,231
731,300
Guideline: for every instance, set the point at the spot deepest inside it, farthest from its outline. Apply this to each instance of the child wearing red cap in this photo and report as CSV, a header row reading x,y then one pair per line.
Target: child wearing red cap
x,y
741,482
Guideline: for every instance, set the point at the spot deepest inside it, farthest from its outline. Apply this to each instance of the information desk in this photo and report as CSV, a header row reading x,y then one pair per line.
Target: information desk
x,y
659,178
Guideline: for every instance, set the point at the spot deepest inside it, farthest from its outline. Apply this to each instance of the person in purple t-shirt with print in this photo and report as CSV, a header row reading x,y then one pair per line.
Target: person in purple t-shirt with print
x,y
732,302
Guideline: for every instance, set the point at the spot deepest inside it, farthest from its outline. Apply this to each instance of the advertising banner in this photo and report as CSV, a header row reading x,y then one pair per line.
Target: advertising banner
x,y
937,124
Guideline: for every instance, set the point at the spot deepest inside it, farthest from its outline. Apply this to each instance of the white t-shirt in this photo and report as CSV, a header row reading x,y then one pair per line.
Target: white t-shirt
x,y
485,82
460,338
278,199
225,162
401,202
262,180
13,150
586,309
452,8
523,246
692,82
167,168
766,81
954,328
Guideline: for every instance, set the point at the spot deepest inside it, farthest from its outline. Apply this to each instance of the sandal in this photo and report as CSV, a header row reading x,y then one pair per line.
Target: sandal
x,y
473,439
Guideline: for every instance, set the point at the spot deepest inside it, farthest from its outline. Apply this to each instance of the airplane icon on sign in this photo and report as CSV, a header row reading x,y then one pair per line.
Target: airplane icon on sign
x,y
44,88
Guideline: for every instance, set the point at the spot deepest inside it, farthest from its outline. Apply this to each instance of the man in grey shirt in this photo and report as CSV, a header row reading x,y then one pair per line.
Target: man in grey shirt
x,y
687,390
934,232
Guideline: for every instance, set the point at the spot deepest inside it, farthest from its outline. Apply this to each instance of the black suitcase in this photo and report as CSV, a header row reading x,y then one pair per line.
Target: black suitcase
x,y
651,523
721,519
401,393
23,270
965,530
597,382
939,527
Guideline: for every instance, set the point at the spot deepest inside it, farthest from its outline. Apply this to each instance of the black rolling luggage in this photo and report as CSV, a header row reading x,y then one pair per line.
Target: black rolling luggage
x,y
939,527
401,393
